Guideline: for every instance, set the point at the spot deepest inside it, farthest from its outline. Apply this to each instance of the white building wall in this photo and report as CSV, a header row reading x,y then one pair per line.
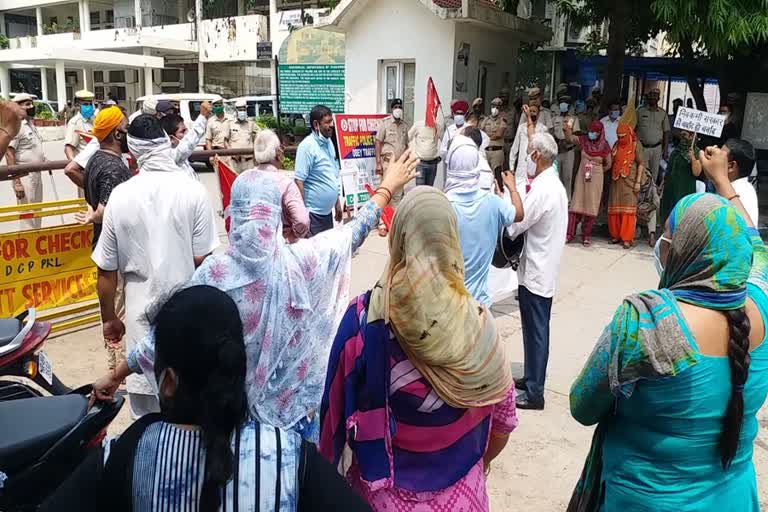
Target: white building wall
x,y
496,50
398,30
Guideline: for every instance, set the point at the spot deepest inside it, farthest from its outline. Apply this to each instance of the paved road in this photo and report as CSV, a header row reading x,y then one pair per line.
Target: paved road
x,y
545,454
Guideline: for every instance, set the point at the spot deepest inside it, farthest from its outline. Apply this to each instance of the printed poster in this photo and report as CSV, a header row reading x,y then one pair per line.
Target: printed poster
x,y
46,268
357,150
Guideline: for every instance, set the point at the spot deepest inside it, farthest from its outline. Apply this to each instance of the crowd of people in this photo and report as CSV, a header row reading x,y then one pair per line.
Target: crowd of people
x,y
257,384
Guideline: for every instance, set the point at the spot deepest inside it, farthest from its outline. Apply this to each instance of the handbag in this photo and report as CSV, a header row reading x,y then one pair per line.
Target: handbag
x,y
508,250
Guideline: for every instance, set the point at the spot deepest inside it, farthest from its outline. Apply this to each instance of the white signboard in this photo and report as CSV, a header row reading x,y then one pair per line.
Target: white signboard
x,y
698,121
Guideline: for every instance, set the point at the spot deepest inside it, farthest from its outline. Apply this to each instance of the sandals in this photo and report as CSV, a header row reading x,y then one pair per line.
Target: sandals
x,y
627,245
614,241
587,243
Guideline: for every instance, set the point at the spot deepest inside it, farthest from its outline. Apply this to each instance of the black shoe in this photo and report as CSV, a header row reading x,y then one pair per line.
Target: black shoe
x,y
520,384
522,402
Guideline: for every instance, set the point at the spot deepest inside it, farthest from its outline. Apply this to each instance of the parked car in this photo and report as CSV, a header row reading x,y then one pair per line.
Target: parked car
x,y
189,103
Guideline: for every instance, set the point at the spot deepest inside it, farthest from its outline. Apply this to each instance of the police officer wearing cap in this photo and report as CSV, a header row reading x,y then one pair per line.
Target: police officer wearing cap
x,y
27,148
391,140
217,131
242,133
653,132
495,126
545,116
81,123
478,110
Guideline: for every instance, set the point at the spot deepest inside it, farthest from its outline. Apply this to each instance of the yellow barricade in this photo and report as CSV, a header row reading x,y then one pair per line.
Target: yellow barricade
x,y
49,269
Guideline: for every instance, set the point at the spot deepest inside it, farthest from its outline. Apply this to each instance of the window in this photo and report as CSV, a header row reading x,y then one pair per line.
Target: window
x,y
194,109
399,82
98,93
120,93
170,75
170,89
95,18
110,16
117,76
98,77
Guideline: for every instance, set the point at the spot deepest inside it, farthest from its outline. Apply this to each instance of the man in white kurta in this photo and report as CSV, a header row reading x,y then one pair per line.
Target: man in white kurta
x,y
518,155
158,227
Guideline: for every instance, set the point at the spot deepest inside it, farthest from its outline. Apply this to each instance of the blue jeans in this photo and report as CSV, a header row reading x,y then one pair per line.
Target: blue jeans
x,y
535,312
426,173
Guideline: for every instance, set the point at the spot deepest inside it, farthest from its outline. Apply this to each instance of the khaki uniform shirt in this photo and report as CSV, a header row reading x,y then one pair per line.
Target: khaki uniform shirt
x,y
217,131
393,136
72,138
28,144
242,134
508,114
651,125
558,122
491,125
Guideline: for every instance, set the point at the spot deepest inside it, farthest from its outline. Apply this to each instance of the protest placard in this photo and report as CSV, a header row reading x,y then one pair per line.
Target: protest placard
x,y
46,268
698,121
355,136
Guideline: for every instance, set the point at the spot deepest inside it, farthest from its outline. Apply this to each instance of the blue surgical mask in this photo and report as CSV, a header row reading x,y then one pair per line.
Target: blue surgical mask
x,y
459,119
86,111
615,114
563,108
592,135
657,255
242,115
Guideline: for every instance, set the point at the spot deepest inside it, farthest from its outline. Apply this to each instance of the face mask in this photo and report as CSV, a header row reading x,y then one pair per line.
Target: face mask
x,y
615,114
494,111
86,111
592,136
31,112
657,255
563,108
397,113
458,119
218,110
242,115
534,117
531,170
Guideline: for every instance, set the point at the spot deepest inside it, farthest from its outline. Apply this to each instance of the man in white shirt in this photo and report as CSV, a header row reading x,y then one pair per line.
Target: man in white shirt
x,y
459,110
423,140
741,163
544,225
611,123
157,228
518,155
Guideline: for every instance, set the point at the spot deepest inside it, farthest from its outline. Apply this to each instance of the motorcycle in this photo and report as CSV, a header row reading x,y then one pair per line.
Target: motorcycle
x,y
20,358
42,438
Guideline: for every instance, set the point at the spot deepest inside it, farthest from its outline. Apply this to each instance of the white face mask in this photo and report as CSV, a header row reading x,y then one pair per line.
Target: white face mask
x,y
657,255
494,111
397,113
459,119
242,115
531,166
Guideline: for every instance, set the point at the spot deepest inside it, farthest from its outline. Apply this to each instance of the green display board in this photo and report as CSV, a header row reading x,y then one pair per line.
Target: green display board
x,y
302,86
311,71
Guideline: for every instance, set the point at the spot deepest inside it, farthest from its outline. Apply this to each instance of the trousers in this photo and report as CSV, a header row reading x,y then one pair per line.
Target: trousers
x,y
426,173
565,165
319,223
535,312
653,159
587,223
33,193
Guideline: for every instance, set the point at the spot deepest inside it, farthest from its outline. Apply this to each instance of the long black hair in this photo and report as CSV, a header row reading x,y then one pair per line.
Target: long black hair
x,y
739,359
199,334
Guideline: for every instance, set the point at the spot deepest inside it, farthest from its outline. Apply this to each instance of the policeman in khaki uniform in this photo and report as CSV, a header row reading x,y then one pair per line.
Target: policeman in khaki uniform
x,y
242,133
495,126
217,130
653,132
477,109
82,122
391,141
27,148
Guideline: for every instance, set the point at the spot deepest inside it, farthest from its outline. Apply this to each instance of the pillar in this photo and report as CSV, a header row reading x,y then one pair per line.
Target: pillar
x,y
82,16
5,81
39,17
85,24
200,76
137,12
2,24
148,89
44,83
85,80
273,64
61,85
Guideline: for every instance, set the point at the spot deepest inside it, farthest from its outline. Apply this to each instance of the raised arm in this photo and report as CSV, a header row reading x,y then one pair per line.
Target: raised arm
x,y
191,140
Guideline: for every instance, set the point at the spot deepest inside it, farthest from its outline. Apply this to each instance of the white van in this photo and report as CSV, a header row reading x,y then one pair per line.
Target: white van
x,y
189,103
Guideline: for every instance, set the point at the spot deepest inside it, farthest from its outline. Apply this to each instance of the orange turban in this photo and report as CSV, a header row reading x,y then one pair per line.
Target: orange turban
x,y
106,121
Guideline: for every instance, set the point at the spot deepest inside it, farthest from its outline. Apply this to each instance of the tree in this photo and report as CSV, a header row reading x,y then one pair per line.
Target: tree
x,y
630,24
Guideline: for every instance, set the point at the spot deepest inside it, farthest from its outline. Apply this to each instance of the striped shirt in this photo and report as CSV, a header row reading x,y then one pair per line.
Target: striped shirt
x,y
169,468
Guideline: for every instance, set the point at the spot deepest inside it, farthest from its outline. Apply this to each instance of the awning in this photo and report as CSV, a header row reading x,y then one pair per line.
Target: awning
x,y
78,58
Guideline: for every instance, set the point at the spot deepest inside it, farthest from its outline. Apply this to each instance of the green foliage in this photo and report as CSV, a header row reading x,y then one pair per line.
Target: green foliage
x,y
266,121
69,26
534,69
289,164
44,113
718,27
4,42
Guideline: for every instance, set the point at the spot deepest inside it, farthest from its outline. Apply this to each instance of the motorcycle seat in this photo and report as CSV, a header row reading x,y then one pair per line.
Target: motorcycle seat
x,y
9,328
29,427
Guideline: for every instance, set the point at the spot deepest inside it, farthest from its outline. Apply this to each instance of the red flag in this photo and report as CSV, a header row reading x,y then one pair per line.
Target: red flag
x,y
226,177
387,214
433,104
